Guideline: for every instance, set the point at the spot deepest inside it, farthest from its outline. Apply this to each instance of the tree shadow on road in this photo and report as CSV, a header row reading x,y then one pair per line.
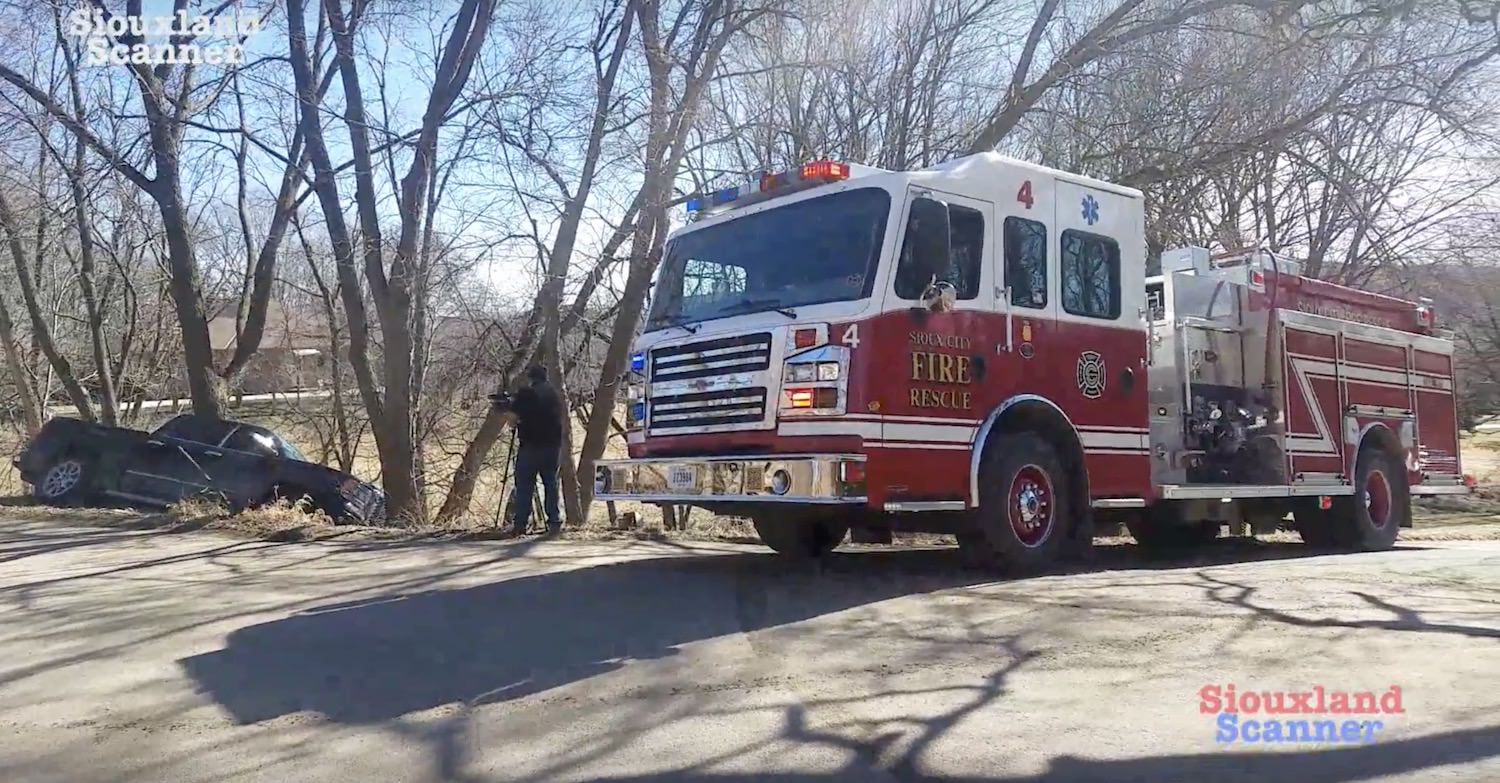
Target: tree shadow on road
x,y
379,659
1223,590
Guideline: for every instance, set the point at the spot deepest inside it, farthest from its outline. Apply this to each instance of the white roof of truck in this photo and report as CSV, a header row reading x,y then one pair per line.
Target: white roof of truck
x,y
983,160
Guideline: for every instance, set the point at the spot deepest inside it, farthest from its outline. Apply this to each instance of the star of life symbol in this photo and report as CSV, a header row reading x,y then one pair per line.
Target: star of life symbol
x,y
1091,374
1090,209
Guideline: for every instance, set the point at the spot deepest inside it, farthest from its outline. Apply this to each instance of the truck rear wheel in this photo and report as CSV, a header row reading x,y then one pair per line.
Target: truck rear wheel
x,y
1371,518
801,536
1368,520
1024,507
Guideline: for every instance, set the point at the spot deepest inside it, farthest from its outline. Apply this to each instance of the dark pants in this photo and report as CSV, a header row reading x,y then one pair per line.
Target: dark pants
x,y
533,462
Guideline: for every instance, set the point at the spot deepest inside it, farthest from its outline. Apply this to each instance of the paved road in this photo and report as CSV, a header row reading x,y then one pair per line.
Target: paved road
x,y
128,656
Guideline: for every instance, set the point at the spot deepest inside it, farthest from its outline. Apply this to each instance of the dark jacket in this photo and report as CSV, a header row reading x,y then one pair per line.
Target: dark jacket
x,y
539,414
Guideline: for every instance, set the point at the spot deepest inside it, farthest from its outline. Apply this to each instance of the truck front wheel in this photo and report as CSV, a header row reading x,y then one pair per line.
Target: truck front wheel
x,y
801,536
1024,507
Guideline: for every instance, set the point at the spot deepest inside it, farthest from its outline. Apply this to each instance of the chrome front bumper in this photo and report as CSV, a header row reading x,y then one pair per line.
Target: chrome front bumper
x,y
770,478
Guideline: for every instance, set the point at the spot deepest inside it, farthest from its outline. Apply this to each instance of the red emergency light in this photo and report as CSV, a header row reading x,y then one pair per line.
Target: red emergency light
x,y
825,170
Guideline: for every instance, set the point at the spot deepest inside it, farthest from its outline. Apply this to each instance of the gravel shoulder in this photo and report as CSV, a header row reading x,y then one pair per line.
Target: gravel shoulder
x,y
131,655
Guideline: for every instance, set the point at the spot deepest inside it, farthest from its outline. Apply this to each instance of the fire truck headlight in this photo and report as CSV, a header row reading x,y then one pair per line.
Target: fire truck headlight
x,y
800,373
828,371
781,482
635,392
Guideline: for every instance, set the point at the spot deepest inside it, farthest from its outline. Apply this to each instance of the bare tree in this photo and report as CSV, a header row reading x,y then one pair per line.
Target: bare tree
x,y
608,47
170,96
682,52
41,330
390,404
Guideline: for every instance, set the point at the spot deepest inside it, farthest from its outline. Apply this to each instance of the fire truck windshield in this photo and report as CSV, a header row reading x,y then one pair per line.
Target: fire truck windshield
x,y
820,250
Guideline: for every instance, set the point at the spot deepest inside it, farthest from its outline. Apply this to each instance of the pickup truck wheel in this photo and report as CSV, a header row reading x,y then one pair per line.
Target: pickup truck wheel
x,y
65,481
801,536
1024,507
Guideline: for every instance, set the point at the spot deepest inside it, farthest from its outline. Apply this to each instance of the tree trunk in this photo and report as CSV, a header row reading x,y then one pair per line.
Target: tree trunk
x,y
606,392
31,415
204,386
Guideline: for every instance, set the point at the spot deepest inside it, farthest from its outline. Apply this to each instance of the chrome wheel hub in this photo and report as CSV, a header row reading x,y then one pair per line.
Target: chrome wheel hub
x,y
1030,501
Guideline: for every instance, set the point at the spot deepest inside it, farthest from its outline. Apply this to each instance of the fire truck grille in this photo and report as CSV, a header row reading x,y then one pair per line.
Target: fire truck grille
x,y
707,409
743,353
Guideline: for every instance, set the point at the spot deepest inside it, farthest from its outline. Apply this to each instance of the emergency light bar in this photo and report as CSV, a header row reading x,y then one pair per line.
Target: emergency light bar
x,y
818,172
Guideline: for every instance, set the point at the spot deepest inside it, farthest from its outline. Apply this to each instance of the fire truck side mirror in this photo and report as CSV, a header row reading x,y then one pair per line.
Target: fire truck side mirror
x,y
927,234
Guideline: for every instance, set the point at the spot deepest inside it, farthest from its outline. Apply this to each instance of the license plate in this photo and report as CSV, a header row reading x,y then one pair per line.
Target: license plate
x,y
682,477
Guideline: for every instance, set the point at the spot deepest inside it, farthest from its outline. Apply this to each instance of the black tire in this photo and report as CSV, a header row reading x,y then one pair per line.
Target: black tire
x,y
1372,517
65,482
801,536
975,551
1162,529
1025,509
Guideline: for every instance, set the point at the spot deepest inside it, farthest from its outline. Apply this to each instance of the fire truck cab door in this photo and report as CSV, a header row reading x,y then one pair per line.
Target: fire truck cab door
x,y
949,349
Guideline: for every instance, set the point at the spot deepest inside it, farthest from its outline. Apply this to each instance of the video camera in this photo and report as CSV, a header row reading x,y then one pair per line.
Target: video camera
x,y
502,399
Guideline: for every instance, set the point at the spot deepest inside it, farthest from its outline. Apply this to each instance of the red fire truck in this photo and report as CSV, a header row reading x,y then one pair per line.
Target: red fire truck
x,y
976,349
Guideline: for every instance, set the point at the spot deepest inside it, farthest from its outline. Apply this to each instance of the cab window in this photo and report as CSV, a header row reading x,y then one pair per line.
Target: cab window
x,y
1090,275
965,257
709,281
1026,262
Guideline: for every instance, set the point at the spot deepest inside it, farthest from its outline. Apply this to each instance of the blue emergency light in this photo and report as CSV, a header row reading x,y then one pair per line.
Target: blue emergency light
x,y
638,361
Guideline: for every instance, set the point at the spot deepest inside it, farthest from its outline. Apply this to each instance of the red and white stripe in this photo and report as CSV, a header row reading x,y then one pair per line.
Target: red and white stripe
x,y
1114,440
933,433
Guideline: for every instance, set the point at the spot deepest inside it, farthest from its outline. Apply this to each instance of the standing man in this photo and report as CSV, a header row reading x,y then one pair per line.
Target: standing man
x,y
538,410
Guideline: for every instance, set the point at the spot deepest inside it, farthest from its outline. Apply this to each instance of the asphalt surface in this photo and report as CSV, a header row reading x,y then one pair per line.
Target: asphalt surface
x,y
131,656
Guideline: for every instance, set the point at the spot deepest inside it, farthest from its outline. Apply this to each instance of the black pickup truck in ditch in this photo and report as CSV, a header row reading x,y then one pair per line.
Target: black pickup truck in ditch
x,y
77,463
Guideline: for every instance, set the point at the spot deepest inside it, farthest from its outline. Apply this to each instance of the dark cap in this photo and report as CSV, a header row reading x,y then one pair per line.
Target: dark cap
x,y
536,373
